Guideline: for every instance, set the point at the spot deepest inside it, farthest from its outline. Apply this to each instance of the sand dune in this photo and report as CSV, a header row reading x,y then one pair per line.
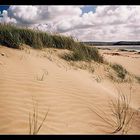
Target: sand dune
x,y
69,94
127,59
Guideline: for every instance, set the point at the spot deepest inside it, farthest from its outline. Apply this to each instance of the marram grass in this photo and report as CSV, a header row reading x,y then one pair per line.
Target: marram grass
x,y
13,37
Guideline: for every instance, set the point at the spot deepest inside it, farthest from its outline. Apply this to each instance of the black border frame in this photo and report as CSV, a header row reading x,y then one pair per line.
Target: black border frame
x,y
71,137
70,2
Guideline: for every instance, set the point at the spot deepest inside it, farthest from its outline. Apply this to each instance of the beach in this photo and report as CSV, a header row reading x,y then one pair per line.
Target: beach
x,y
74,98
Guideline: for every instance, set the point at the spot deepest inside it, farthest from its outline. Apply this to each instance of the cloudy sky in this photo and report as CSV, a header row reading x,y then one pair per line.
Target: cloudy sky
x,y
86,23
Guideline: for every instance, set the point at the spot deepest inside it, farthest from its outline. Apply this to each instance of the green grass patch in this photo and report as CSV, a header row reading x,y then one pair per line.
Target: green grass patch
x,y
81,52
14,37
121,72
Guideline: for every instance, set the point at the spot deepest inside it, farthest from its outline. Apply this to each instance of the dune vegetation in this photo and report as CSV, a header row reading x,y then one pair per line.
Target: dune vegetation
x,y
121,72
67,92
14,37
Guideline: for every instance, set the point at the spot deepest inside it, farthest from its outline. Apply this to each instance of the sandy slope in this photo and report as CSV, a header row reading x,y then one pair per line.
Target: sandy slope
x,y
129,60
68,94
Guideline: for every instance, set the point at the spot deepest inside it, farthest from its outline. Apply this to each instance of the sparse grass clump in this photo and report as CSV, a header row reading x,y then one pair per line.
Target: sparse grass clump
x,y
88,53
9,36
122,112
14,37
137,78
122,50
34,126
42,77
121,72
122,115
81,52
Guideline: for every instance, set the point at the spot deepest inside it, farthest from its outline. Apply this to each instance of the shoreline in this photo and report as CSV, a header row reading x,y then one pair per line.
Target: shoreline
x,y
120,48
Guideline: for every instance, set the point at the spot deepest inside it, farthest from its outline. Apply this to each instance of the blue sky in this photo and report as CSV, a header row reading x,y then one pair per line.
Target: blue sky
x,y
88,8
4,7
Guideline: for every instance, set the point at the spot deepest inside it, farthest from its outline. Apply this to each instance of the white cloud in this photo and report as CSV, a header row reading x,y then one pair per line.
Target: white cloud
x,y
112,23
24,14
5,18
106,23
43,14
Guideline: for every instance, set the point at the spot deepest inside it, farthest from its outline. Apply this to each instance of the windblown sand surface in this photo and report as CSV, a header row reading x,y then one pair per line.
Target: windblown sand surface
x,y
68,93
130,60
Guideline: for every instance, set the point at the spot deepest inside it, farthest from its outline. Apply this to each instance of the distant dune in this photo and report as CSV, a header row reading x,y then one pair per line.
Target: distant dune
x,y
99,43
75,97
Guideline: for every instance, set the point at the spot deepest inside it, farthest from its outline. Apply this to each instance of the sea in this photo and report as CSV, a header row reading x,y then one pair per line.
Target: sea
x,y
126,47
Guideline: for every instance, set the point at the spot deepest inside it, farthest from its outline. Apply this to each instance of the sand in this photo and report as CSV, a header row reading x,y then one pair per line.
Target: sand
x,y
130,60
69,94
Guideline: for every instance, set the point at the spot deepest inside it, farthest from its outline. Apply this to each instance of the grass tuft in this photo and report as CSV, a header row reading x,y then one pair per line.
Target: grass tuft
x,y
34,126
137,78
122,115
42,77
82,52
121,72
14,37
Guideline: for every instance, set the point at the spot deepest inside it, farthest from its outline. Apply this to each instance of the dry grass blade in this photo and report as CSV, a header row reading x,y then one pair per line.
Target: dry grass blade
x,y
122,112
42,122
34,128
30,124
103,118
41,78
122,115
